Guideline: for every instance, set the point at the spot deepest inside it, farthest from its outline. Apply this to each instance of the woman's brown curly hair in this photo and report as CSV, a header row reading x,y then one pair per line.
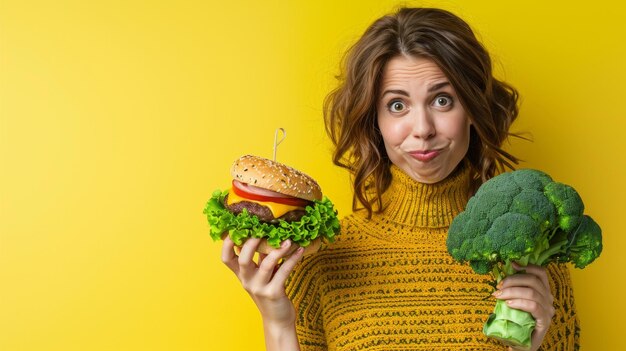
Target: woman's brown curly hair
x,y
444,38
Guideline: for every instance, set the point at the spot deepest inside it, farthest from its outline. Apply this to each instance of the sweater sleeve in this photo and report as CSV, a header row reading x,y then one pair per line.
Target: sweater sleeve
x,y
564,331
303,288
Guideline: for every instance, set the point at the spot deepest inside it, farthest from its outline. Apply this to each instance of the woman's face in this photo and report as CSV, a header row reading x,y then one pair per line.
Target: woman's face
x,y
424,127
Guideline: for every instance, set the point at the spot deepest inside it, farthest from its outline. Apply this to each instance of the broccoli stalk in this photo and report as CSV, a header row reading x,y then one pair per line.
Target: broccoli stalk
x,y
527,218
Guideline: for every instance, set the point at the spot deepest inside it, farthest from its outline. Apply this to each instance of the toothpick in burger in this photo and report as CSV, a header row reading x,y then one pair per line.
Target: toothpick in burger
x,y
272,201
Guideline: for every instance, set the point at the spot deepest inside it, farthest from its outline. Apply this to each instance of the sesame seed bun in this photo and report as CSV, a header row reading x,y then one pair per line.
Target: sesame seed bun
x,y
267,174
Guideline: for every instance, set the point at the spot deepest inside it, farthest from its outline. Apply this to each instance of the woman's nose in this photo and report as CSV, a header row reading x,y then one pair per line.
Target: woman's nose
x,y
422,124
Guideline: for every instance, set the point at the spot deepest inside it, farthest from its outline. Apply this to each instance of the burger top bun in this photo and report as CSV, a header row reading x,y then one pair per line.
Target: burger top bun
x,y
275,176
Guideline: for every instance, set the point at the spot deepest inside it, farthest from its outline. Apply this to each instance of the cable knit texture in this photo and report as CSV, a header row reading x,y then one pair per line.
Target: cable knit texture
x,y
388,282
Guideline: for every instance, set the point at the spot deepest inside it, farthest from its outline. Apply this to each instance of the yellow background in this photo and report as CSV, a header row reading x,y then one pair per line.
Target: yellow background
x,y
119,118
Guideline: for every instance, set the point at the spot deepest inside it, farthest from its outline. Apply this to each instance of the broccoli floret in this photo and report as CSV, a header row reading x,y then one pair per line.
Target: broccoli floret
x,y
533,204
585,244
568,204
512,236
525,217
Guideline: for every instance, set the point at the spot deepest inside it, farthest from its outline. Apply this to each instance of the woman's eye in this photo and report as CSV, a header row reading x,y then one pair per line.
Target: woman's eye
x,y
443,101
396,106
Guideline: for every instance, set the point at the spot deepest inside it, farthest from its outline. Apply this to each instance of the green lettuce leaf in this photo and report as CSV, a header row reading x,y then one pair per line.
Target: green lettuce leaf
x,y
320,221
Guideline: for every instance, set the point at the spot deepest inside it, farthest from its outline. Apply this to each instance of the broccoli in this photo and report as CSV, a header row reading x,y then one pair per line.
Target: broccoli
x,y
524,217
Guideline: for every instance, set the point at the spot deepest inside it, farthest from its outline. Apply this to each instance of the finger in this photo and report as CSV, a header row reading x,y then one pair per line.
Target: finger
x,y
522,293
285,269
542,314
539,271
525,280
261,258
247,266
228,255
270,262
540,274
291,250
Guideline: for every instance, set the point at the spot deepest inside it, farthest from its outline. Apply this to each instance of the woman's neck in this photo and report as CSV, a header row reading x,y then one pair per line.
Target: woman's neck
x,y
411,203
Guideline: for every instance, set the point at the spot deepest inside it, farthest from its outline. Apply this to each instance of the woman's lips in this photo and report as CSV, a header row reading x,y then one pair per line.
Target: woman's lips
x,y
425,155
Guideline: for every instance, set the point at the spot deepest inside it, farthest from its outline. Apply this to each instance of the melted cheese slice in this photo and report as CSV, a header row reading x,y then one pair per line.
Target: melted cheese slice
x,y
278,210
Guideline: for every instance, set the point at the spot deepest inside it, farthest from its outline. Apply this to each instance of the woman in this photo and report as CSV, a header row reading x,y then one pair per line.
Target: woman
x,y
418,119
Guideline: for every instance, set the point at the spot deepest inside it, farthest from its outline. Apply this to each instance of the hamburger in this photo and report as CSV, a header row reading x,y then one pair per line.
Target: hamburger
x,y
272,201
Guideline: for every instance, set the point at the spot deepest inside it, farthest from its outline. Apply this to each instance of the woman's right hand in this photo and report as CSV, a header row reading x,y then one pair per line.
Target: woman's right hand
x,y
265,280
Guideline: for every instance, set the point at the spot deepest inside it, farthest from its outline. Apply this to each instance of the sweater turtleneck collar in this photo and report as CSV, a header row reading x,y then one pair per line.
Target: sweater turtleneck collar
x,y
411,203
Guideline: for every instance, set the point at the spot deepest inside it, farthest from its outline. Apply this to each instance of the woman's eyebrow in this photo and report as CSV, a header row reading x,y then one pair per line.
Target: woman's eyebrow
x,y
432,88
438,86
399,92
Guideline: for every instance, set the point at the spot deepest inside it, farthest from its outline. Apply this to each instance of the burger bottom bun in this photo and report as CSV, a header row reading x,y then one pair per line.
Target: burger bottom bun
x,y
265,248
313,247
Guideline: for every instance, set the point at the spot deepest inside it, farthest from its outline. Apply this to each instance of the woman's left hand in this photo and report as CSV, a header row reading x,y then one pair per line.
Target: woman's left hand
x,y
530,292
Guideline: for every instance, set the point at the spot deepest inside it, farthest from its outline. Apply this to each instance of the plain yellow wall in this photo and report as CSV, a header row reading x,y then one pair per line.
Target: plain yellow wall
x,y
119,118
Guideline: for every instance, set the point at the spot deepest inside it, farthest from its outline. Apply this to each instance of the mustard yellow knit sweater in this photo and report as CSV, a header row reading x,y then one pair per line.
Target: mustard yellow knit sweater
x,y
388,282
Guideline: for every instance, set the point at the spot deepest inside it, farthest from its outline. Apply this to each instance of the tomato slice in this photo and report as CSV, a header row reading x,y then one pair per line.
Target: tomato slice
x,y
254,193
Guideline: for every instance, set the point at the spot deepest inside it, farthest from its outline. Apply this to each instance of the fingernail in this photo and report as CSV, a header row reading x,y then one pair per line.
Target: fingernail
x,y
285,243
497,293
509,302
499,286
